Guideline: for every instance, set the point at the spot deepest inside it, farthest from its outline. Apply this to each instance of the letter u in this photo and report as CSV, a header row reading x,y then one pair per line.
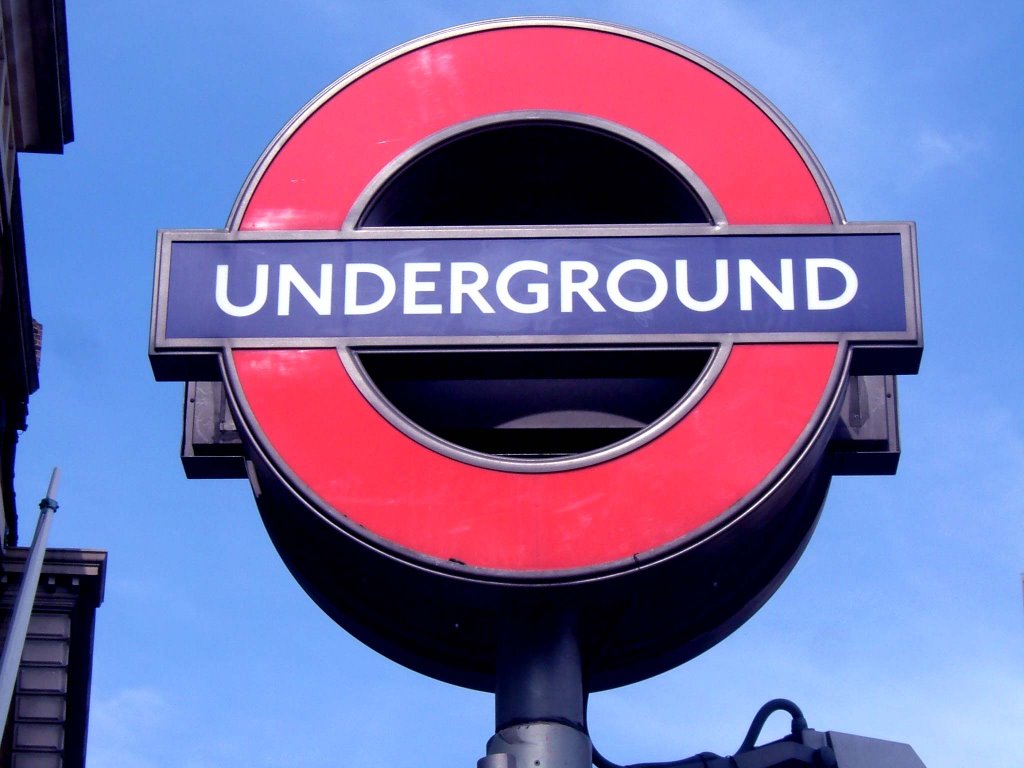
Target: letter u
x,y
254,306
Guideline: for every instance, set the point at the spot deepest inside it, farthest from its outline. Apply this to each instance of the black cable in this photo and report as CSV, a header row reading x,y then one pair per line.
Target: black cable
x,y
697,761
798,724
600,761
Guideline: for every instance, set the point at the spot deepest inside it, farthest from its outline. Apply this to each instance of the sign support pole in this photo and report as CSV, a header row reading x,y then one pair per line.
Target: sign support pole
x,y
10,663
539,697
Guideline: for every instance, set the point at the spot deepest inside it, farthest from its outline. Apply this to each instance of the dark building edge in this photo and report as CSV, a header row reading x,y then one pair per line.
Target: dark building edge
x,y
35,116
48,724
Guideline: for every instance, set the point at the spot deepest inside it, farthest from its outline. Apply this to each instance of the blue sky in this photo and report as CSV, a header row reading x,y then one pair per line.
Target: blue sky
x,y
903,620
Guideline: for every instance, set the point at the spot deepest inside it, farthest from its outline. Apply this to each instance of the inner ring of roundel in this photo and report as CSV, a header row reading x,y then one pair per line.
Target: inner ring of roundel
x,y
372,478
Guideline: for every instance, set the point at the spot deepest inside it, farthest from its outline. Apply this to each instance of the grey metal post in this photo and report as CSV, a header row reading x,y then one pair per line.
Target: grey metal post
x,y
18,629
539,696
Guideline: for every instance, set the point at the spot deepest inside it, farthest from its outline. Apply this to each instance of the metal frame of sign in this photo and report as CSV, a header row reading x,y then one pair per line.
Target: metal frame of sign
x,y
322,532
904,346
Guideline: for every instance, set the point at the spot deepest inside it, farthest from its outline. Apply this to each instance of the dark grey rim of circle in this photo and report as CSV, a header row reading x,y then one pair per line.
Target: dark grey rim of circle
x,y
689,399
759,100
527,117
355,370
794,468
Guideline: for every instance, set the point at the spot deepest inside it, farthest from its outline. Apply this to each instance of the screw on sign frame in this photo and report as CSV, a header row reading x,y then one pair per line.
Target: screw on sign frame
x,y
743,449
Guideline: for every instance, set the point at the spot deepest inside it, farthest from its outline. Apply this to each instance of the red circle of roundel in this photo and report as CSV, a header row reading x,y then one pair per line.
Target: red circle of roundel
x,y
372,477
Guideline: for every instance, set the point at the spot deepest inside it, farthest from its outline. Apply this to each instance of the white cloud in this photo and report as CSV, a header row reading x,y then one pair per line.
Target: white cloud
x,y
123,728
936,150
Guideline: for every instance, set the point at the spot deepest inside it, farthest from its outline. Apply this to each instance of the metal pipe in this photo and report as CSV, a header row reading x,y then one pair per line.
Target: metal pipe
x,y
10,662
539,696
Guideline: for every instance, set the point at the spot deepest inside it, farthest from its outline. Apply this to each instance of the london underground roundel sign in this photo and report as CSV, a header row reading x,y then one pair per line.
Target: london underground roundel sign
x,y
542,311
